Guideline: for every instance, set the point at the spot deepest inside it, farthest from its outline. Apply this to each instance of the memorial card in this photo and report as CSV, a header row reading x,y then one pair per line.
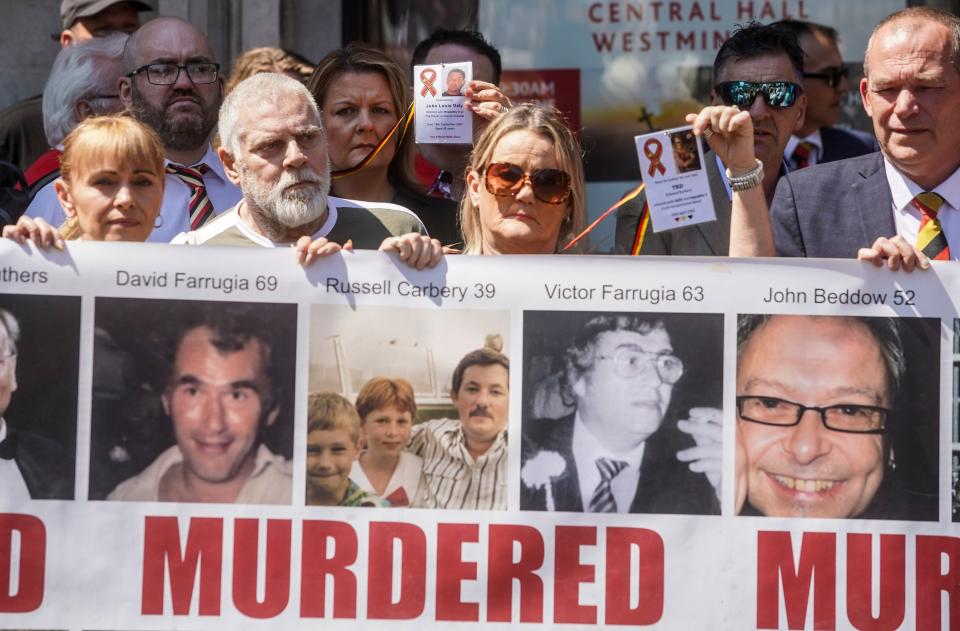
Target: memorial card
x,y
672,168
441,115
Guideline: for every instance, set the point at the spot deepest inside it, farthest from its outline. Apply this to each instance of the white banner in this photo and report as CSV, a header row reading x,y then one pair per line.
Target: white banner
x,y
838,428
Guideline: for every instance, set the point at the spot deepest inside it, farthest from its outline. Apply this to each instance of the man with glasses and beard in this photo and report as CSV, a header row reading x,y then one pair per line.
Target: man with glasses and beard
x,y
760,70
274,148
173,84
618,452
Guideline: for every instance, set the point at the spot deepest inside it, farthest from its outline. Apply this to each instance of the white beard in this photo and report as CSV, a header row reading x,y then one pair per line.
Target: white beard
x,y
292,208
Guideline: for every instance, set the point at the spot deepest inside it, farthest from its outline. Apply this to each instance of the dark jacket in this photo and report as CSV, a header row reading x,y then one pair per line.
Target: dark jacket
x,y
832,210
840,144
666,485
45,467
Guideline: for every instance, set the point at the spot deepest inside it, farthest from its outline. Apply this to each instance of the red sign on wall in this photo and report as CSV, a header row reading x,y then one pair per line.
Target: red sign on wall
x,y
559,87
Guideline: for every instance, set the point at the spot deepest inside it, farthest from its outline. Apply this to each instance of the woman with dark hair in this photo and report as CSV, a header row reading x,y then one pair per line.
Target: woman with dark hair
x,y
362,93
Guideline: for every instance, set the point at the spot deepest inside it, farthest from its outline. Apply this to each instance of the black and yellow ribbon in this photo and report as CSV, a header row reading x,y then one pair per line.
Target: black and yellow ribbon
x,y
641,229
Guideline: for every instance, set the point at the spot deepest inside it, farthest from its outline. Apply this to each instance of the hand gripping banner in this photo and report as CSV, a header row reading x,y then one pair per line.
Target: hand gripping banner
x,y
776,442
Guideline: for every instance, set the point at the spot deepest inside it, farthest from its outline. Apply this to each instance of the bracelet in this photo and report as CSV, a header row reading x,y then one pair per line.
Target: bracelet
x,y
750,179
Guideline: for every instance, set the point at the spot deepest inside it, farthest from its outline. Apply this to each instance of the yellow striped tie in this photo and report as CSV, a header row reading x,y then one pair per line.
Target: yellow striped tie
x,y
931,240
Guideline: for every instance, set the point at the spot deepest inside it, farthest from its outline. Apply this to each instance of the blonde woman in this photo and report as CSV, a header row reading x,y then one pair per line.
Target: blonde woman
x,y
110,186
525,190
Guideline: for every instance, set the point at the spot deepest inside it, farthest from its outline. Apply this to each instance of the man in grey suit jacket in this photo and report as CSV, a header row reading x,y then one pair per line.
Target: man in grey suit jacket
x,y
832,210
866,206
771,54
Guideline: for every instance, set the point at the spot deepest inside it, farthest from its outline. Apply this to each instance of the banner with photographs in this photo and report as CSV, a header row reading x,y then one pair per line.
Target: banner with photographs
x,y
622,68
217,438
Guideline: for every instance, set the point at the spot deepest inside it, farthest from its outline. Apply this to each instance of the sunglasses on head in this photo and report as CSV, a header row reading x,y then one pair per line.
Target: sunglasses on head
x,y
550,186
778,94
832,75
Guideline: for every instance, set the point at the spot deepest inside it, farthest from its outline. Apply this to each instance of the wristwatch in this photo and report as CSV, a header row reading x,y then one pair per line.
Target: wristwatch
x,y
750,179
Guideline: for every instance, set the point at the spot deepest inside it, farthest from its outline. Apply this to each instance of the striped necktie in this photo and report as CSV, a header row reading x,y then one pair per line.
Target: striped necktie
x,y
201,209
801,155
602,500
931,240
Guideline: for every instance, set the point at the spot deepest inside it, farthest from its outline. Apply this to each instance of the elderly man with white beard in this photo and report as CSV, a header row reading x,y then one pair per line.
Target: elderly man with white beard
x,y
274,148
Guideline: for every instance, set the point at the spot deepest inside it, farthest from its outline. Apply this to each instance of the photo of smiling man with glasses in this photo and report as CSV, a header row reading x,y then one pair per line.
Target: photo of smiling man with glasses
x,y
823,406
619,447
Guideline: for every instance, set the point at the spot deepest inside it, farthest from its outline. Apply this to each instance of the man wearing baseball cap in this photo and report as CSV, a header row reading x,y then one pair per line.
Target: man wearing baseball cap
x,y
21,125
83,19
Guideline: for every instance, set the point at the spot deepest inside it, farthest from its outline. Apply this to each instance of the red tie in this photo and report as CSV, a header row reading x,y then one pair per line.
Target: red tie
x,y
801,155
201,209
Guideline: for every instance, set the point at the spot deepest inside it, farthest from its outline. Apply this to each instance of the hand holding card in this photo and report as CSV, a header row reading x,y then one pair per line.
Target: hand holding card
x,y
441,113
671,164
731,136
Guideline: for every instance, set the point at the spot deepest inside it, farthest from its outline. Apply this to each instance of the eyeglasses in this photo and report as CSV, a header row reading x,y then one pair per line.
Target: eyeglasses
x,y
832,75
628,362
550,186
777,94
167,74
851,418
100,96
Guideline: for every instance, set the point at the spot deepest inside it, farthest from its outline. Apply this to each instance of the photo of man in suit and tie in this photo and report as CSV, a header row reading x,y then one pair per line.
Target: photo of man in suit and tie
x,y
39,370
629,438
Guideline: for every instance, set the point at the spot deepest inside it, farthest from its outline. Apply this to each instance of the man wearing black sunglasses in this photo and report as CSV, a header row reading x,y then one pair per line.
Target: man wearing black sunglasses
x,y
759,69
172,83
898,207
825,82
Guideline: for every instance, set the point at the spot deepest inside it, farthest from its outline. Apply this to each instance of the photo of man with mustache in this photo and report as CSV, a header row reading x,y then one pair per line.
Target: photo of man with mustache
x,y
465,459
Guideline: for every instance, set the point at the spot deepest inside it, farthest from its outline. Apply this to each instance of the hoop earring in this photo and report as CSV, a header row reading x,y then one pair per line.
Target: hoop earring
x,y
158,222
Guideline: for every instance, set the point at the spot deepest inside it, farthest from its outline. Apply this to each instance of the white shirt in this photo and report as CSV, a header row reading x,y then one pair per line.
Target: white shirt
x,y
587,450
271,481
13,489
174,213
815,139
234,220
907,218
406,477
